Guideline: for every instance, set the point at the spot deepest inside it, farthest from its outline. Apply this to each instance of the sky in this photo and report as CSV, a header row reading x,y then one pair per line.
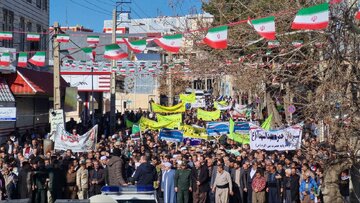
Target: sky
x,y
92,13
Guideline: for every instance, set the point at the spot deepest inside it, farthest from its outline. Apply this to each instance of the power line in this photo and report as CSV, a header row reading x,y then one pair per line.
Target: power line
x,y
107,3
97,6
89,8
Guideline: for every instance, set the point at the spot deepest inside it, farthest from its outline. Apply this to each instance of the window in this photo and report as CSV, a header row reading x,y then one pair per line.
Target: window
x,y
45,5
22,35
38,3
8,25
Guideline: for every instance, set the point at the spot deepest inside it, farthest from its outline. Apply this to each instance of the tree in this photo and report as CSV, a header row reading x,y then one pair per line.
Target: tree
x,y
321,78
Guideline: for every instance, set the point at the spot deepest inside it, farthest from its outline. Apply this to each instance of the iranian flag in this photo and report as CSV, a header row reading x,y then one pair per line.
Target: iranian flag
x,y
151,70
357,16
5,59
217,37
114,52
62,38
89,52
120,40
22,60
312,18
297,43
33,37
170,43
122,70
265,27
38,59
273,44
93,39
132,70
6,36
137,46
114,69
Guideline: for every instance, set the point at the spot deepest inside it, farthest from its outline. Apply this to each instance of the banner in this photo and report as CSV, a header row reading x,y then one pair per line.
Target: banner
x,y
217,128
222,106
239,132
171,135
193,142
208,115
77,143
176,120
193,132
285,139
71,94
188,98
135,132
56,117
146,123
178,108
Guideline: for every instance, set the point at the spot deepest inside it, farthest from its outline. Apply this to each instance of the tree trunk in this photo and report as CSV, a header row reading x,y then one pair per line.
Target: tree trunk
x,y
276,121
331,190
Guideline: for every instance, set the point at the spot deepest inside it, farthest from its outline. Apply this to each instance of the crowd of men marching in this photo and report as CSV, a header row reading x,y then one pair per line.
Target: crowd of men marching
x,y
220,171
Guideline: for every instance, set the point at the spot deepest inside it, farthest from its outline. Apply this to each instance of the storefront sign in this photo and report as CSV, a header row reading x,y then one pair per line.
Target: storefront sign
x,y
7,113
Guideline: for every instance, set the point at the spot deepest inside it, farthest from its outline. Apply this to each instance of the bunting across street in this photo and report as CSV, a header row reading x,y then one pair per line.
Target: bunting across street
x,y
137,46
5,59
217,37
265,27
62,38
22,60
93,39
170,43
38,59
312,18
113,52
33,37
6,36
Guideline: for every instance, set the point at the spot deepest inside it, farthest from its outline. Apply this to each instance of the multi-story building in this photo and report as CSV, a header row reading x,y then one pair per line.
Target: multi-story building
x,y
24,93
22,16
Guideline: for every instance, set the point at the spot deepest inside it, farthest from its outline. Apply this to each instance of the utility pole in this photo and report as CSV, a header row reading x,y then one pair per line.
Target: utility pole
x,y
56,55
113,77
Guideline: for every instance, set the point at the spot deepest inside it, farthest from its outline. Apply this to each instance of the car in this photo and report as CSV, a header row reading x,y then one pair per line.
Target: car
x,y
129,194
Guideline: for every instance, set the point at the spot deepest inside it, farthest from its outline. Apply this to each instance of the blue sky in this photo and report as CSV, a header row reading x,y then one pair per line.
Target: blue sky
x,y
92,13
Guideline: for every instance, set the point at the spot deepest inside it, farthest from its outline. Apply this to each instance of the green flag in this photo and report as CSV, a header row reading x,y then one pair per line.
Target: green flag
x,y
267,123
240,138
128,123
135,129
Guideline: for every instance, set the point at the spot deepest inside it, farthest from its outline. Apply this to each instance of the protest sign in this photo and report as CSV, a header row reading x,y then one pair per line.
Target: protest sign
x,y
178,108
217,128
194,132
208,115
171,135
175,119
56,117
285,139
77,143
146,123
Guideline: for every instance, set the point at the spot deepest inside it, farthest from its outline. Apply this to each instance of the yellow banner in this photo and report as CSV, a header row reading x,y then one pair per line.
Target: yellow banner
x,y
175,119
178,108
146,123
192,132
208,115
188,98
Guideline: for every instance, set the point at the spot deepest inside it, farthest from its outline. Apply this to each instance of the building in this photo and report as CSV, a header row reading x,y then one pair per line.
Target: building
x,y
23,103
77,28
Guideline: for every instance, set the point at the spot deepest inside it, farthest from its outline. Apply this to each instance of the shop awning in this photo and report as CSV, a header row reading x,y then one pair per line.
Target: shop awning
x,y
5,93
31,82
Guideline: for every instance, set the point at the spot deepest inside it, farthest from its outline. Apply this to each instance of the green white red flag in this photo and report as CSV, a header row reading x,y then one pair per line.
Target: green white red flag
x,y
113,52
93,39
33,37
22,60
38,59
312,18
171,43
217,37
122,70
120,40
6,36
265,27
62,38
89,52
297,43
137,46
5,59
273,44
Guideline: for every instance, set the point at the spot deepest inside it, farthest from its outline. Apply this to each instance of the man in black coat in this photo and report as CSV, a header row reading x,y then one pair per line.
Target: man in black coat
x,y
96,179
145,174
200,183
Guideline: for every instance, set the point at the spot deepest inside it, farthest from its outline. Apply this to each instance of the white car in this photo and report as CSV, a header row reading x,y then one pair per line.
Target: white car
x,y
128,194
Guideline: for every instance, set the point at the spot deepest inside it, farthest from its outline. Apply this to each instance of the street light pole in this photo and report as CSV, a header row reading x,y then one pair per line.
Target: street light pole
x,y
56,55
113,79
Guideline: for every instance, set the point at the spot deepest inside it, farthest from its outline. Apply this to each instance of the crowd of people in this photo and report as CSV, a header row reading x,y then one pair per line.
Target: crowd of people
x,y
215,171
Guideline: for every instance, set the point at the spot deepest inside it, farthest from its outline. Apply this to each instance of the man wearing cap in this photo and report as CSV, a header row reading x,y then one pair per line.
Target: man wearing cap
x,y
183,183
82,181
222,185
167,184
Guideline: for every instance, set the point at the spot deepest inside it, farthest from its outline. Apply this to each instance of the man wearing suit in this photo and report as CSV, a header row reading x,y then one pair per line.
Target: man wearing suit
x,y
96,179
236,176
200,174
244,183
